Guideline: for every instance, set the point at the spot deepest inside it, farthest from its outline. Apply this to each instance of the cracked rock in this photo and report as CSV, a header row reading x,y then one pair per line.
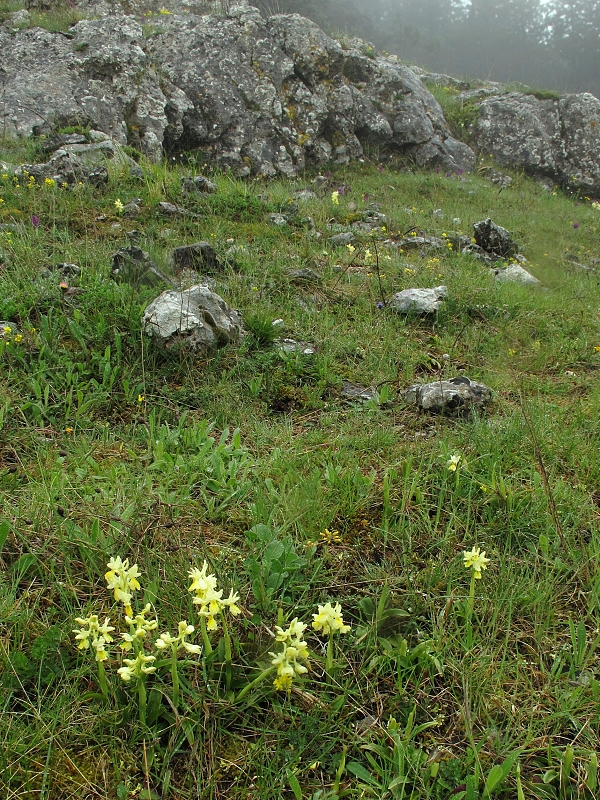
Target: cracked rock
x,y
457,396
195,319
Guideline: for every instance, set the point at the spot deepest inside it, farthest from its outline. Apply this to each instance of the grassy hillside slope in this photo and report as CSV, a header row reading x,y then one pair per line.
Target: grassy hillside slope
x,y
444,686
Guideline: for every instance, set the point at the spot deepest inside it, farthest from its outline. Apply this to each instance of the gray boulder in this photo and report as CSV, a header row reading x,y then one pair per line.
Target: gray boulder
x,y
194,319
418,301
456,396
552,138
198,185
494,239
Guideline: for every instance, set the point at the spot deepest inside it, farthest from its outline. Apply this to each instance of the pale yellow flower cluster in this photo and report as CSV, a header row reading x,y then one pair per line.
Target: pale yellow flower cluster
x,y
123,580
139,626
475,560
335,198
294,650
136,667
329,619
209,599
94,634
165,640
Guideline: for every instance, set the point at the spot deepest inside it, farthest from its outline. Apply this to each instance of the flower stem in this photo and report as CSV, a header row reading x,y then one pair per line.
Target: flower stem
x,y
205,640
264,674
141,687
227,642
329,659
470,606
175,676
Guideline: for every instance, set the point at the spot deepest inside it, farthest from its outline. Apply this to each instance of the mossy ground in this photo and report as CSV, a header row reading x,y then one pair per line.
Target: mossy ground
x,y
99,456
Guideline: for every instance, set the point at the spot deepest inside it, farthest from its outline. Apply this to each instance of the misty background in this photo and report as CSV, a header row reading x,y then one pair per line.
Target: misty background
x,y
546,44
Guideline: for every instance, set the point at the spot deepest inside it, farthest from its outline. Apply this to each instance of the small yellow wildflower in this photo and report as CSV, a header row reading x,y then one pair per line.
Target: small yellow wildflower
x,y
165,640
329,619
350,248
119,206
141,398
475,560
452,463
294,650
597,348
18,338
335,198
135,668
50,182
123,580
330,537
93,634
209,599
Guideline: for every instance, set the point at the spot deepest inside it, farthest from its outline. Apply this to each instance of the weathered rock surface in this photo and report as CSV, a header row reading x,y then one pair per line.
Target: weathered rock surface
x,y
555,138
514,273
261,96
200,255
551,138
456,396
133,265
418,301
494,239
195,319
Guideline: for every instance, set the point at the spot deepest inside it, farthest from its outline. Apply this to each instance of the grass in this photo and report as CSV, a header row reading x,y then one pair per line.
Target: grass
x,y
105,450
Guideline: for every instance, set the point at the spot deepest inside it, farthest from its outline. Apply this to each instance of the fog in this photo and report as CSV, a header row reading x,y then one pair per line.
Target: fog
x,y
546,44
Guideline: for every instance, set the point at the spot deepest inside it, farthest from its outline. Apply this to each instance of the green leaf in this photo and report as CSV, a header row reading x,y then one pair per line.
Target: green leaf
x,y
357,769
498,774
4,531
295,786
23,564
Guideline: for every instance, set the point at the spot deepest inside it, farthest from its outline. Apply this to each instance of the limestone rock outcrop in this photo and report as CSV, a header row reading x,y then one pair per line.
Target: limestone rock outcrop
x,y
260,96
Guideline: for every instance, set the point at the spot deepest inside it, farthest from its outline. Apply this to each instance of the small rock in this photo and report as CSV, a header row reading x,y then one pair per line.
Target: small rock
x,y
418,301
192,256
132,209
421,242
198,184
354,391
278,219
514,273
62,139
457,396
133,265
292,346
303,276
171,210
98,136
341,239
305,195
196,319
494,239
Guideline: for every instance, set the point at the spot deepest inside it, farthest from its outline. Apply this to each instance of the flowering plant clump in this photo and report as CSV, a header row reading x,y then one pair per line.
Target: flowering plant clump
x,y
137,667
210,600
139,626
294,650
329,621
119,206
335,198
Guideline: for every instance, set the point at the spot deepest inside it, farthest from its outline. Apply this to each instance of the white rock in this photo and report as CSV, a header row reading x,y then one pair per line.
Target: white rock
x,y
418,301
